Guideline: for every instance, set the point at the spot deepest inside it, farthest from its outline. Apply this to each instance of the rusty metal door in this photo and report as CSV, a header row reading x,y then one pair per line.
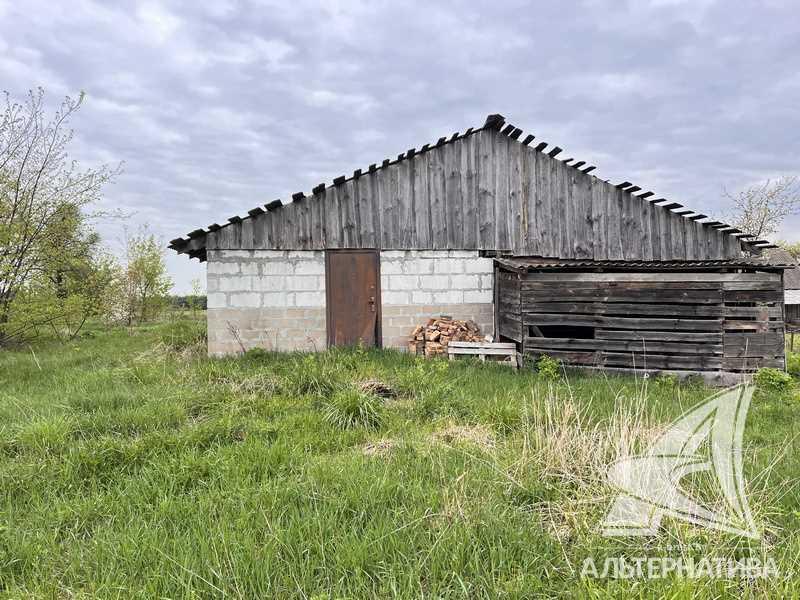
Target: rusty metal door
x,y
352,289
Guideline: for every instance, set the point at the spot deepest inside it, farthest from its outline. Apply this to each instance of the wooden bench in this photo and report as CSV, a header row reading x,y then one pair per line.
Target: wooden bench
x,y
507,350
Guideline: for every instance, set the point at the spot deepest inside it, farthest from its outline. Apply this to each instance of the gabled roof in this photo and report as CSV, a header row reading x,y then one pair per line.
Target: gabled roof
x,y
195,243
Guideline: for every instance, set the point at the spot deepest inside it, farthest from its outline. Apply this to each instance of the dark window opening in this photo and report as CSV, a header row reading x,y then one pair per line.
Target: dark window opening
x,y
562,331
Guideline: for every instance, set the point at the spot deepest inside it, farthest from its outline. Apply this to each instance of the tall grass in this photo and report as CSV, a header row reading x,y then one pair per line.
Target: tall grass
x,y
133,466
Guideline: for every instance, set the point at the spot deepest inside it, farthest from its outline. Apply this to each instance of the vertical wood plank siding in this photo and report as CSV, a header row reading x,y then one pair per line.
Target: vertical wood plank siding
x,y
484,191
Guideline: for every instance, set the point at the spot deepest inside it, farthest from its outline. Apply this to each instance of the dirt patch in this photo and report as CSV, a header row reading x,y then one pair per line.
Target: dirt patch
x,y
477,435
377,388
379,448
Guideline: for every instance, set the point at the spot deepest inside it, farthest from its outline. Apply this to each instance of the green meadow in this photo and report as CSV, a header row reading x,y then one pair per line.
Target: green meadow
x,y
133,466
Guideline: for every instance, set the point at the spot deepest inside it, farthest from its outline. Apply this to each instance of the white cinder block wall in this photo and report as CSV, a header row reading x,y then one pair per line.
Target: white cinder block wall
x,y
273,299
419,284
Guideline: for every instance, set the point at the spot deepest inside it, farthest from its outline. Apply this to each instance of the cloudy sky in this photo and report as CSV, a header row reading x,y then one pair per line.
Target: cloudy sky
x,y
216,107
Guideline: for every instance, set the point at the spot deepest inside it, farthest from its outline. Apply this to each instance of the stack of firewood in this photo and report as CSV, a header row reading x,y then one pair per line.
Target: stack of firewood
x,y
432,338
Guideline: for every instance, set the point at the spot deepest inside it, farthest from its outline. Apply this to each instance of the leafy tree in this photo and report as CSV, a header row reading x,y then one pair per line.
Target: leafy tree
x,y
49,256
760,209
195,298
793,249
147,283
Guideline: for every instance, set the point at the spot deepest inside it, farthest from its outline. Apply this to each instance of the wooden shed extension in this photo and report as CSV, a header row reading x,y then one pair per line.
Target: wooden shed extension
x,y
698,316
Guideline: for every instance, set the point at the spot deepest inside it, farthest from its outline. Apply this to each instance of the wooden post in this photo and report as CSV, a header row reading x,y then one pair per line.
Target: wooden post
x,y
495,308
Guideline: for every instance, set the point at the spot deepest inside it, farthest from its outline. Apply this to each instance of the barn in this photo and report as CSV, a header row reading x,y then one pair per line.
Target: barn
x,y
791,287
496,226
792,297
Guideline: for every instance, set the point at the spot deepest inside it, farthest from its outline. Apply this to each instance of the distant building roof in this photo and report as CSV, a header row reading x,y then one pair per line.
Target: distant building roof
x,y
791,278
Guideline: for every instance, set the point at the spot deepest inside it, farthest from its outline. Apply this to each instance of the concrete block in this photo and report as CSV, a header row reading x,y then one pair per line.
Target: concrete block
x,y
309,267
274,299
422,266
434,282
249,268
465,282
244,300
462,254
393,254
432,253
478,296
222,268
236,283
276,267
303,283
393,297
269,283
487,281
478,265
271,254
449,297
419,297
309,298
391,267
216,300
403,282
237,254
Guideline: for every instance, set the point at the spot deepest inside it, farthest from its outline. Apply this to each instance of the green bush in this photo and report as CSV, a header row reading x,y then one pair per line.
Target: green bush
x,y
349,408
769,379
666,381
257,354
793,363
316,375
182,334
549,368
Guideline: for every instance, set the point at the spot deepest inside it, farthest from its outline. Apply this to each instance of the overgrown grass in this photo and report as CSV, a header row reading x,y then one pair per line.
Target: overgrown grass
x,y
133,466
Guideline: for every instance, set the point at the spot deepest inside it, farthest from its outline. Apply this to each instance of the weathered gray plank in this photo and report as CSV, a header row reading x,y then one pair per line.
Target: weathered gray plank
x,y
546,245
622,308
622,322
502,208
468,183
366,204
516,195
708,337
645,346
391,187
316,203
614,232
453,234
583,241
333,218
422,207
633,360
486,190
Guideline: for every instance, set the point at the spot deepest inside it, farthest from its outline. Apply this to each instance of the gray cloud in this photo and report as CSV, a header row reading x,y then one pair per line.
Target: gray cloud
x,y
216,109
